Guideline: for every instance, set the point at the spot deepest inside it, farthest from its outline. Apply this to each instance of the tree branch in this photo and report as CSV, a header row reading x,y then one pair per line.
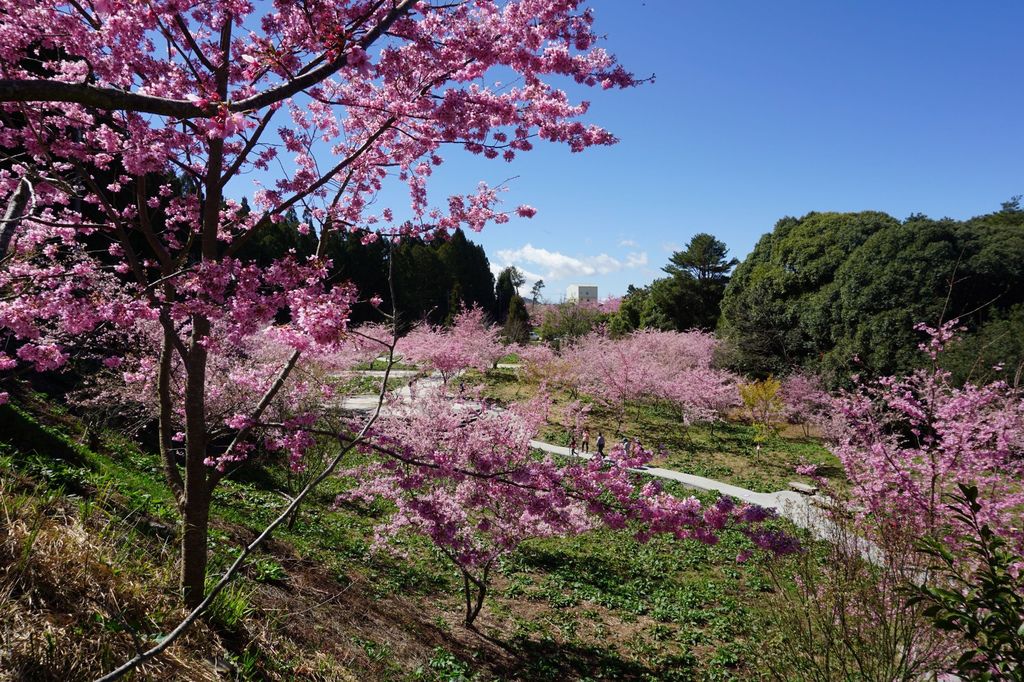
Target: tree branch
x,y
32,90
21,90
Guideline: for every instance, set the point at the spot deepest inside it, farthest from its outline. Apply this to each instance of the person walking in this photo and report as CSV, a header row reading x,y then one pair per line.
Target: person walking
x,y
600,444
572,442
586,441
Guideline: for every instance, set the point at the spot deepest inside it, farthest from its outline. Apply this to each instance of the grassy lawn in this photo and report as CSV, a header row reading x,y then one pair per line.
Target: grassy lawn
x,y
316,604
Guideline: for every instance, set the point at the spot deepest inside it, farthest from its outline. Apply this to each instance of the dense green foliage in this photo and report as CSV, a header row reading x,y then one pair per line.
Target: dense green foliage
x,y
505,288
517,324
569,320
433,279
841,292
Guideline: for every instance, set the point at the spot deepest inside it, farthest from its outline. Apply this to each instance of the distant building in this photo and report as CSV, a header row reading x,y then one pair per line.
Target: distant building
x,y
581,293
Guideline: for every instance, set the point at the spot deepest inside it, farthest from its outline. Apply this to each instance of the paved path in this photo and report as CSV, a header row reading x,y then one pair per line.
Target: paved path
x,y
380,373
790,504
368,401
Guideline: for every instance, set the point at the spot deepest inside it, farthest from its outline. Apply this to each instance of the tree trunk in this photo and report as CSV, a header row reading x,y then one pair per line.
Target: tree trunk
x,y
475,591
195,507
293,517
195,526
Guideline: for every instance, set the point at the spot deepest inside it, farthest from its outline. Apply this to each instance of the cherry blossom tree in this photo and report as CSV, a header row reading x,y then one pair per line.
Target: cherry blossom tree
x,y
611,372
804,400
129,129
470,342
237,377
541,364
465,477
908,442
675,367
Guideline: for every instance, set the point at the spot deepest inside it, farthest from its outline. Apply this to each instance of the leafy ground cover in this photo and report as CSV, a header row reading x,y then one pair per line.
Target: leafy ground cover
x,y
317,605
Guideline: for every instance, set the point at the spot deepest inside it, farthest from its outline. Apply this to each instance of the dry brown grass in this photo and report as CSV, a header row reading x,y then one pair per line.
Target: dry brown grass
x,y
76,599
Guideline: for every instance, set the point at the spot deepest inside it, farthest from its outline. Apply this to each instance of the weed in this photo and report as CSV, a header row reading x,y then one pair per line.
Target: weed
x,y
266,570
232,605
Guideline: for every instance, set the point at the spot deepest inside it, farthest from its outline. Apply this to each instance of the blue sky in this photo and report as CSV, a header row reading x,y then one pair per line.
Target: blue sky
x,y
761,110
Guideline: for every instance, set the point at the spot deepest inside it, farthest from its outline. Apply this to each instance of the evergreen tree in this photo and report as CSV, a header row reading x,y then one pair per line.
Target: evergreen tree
x,y
697,280
467,265
504,289
517,325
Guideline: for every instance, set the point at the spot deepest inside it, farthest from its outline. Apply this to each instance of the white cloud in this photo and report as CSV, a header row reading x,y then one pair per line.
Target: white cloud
x,y
531,277
558,266
636,259
628,243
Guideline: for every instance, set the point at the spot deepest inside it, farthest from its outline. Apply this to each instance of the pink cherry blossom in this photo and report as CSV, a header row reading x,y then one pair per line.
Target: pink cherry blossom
x,y
465,476
906,442
144,119
470,342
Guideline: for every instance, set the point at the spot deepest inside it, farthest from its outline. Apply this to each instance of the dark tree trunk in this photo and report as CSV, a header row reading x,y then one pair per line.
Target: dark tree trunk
x,y
195,506
195,526
475,591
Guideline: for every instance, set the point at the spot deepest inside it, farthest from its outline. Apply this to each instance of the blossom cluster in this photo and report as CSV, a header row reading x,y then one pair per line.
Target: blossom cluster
x,y
471,341
907,442
676,367
465,476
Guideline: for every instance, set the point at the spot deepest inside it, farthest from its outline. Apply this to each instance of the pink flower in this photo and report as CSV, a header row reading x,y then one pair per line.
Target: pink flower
x,y
358,59
525,211
807,469
238,422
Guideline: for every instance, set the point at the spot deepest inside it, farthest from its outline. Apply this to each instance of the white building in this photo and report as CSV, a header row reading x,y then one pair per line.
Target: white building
x,y
581,293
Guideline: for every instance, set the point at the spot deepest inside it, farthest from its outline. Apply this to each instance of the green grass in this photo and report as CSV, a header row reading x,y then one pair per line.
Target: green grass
x,y
596,606
688,606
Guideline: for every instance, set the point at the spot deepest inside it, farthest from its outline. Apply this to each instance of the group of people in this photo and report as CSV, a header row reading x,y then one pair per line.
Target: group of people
x,y
585,442
627,443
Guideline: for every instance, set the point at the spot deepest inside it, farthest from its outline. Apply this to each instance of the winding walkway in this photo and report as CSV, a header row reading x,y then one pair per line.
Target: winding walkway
x,y
790,504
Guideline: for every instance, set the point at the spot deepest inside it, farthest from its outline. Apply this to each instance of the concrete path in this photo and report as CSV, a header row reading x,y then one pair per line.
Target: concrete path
x,y
380,373
368,401
790,504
